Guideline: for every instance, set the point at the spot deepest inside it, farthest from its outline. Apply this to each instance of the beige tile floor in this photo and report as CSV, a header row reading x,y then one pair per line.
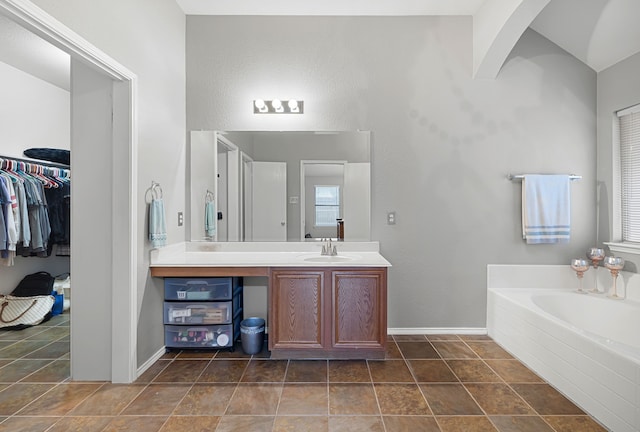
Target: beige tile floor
x,y
426,383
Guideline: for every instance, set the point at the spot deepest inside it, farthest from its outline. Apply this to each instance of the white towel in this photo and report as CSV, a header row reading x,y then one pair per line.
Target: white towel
x,y
546,209
157,224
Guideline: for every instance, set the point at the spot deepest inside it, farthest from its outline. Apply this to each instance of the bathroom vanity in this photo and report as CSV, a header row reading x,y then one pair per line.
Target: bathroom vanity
x,y
318,306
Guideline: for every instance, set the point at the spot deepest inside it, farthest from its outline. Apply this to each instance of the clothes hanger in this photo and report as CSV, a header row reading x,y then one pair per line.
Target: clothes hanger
x,y
9,168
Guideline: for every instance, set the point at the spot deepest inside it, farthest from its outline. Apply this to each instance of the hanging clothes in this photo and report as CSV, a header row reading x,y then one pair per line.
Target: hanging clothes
x,y
28,226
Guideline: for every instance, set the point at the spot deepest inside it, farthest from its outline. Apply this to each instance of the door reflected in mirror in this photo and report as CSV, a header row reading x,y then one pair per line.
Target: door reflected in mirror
x,y
280,186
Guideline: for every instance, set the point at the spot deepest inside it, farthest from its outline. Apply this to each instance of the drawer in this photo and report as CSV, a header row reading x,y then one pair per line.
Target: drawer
x,y
190,289
197,313
220,336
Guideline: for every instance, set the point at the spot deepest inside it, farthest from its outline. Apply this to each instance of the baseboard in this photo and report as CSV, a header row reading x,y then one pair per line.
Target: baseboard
x,y
154,358
437,330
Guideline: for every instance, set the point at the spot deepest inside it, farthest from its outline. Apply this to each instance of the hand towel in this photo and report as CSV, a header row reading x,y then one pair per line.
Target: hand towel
x,y
210,217
546,205
157,223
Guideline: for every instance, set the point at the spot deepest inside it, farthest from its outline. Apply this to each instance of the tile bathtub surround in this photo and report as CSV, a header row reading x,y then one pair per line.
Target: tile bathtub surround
x,y
426,383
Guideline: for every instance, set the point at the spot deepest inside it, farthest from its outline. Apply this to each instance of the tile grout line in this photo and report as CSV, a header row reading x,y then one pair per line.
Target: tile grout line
x,y
537,414
185,393
284,378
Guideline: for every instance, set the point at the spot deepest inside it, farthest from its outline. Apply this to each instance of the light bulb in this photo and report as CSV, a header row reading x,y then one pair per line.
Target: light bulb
x,y
277,105
260,105
293,105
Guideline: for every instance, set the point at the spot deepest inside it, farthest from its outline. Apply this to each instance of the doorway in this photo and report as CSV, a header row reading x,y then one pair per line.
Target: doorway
x,y
102,117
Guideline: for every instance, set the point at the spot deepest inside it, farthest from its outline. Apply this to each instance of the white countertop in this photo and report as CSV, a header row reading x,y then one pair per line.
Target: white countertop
x,y
267,254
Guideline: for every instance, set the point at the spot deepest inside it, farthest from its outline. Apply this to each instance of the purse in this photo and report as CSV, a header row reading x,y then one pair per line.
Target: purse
x,y
35,284
22,312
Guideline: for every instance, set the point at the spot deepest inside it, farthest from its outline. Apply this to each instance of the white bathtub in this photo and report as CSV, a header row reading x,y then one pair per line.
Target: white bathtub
x,y
587,346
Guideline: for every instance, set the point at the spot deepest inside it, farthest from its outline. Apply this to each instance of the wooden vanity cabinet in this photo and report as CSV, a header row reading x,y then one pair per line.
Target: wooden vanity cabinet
x,y
328,312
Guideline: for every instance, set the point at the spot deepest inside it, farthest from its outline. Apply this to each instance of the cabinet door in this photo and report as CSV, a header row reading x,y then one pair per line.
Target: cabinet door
x,y
297,304
359,306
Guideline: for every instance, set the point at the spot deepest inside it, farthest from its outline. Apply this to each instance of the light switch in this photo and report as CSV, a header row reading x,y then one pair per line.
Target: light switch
x,y
293,200
391,218
180,219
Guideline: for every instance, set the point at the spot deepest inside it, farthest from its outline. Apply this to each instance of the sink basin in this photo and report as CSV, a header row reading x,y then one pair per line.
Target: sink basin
x,y
329,259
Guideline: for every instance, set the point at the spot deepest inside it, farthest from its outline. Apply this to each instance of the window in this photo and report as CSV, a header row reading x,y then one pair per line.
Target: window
x,y
629,133
327,205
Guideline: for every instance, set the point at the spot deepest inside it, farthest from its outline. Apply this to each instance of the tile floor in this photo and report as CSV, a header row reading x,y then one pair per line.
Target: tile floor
x,y
426,383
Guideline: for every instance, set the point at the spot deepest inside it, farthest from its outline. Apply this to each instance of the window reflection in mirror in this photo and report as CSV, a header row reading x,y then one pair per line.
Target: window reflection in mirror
x,y
264,184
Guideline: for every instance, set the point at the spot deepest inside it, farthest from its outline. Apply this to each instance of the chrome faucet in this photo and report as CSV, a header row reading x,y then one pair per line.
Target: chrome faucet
x,y
328,248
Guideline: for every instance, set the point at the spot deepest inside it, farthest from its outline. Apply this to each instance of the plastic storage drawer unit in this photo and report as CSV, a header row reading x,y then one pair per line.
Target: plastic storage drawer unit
x,y
198,336
202,313
189,289
197,313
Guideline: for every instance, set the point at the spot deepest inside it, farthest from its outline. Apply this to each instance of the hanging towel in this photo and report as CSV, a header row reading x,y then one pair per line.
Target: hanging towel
x,y
157,223
210,218
546,205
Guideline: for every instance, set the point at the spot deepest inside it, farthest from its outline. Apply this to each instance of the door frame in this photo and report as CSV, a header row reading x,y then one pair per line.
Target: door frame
x,y
233,217
124,153
246,195
302,200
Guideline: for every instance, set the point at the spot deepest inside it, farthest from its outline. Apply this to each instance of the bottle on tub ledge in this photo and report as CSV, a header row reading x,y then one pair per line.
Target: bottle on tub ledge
x,y
340,228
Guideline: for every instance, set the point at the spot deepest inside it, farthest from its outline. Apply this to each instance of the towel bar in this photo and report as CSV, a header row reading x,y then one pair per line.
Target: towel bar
x,y
521,176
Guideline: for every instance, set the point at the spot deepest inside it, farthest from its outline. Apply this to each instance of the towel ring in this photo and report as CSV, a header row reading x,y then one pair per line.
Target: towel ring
x,y
208,197
156,190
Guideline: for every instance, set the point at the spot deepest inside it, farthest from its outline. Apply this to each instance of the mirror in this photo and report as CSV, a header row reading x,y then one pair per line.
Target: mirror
x,y
273,186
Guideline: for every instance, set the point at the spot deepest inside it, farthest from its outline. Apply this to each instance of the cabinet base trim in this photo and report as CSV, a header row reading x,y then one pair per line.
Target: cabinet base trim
x,y
352,354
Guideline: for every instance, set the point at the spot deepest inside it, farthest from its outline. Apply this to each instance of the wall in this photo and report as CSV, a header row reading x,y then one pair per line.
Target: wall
x,y
442,143
618,88
33,113
147,37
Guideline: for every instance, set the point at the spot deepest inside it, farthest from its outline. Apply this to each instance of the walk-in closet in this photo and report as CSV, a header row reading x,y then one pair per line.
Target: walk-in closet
x,y
35,195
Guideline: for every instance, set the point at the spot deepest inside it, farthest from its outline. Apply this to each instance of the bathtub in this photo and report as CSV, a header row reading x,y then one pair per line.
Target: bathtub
x,y
585,345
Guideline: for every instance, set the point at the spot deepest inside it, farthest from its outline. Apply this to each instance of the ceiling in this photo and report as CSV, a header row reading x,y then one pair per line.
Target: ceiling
x,y
600,33
29,53
330,7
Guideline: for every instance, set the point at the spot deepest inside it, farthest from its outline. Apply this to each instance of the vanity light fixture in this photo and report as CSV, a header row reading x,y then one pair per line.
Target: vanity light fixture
x,y
276,106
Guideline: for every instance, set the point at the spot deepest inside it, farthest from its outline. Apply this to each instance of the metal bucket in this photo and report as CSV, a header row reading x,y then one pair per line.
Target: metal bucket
x,y
252,335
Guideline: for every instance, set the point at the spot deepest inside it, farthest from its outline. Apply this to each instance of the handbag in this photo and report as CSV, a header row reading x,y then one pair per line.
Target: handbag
x,y
35,284
22,312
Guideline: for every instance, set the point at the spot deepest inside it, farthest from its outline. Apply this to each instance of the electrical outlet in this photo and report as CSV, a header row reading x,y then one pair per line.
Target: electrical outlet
x,y
391,218
180,218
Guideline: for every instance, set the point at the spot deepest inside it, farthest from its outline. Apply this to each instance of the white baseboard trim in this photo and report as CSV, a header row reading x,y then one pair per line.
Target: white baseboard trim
x,y
437,330
154,358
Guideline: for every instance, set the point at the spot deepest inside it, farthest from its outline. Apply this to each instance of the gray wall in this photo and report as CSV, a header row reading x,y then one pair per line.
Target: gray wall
x,y
442,143
147,37
618,88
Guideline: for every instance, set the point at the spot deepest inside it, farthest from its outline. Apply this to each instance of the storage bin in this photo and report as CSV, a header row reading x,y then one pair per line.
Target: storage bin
x,y
190,289
198,336
197,313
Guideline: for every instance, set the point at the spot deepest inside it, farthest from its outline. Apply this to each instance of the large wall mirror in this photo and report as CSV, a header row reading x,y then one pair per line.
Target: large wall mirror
x,y
279,186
